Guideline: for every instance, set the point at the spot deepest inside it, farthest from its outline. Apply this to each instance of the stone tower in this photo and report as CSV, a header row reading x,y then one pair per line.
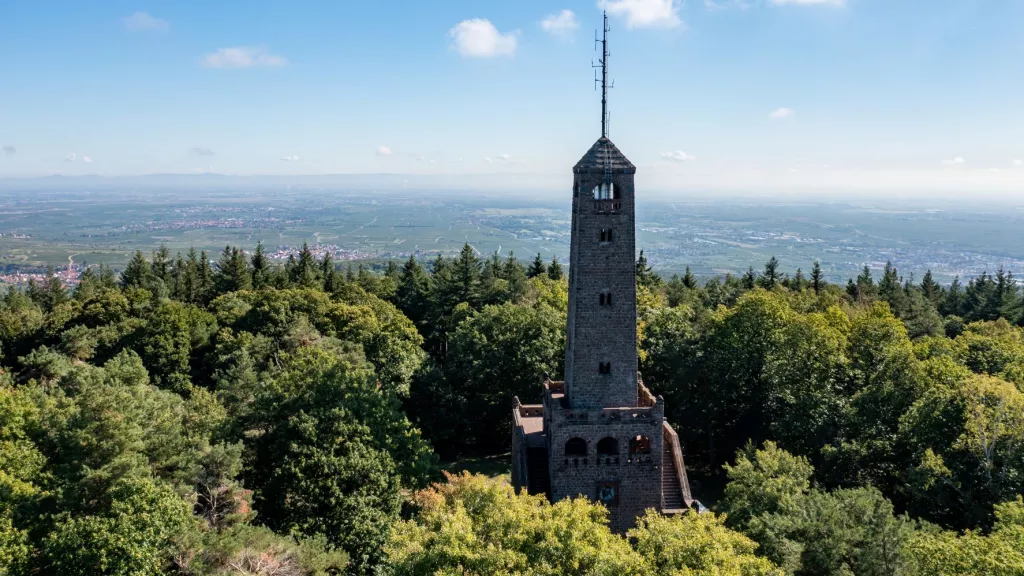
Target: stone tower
x,y
600,433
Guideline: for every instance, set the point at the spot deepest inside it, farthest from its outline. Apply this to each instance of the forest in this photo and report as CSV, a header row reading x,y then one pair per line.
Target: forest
x,y
212,416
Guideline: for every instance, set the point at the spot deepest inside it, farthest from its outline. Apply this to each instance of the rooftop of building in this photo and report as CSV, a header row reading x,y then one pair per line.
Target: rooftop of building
x,y
603,153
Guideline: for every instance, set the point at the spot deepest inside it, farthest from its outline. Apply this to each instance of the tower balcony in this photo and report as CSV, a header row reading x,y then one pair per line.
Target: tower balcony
x,y
610,206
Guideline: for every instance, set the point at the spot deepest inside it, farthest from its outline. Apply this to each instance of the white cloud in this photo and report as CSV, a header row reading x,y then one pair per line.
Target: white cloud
x,y
1018,162
954,161
243,57
478,38
383,151
717,5
562,24
10,150
780,113
290,158
808,2
677,156
86,159
200,151
143,21
70,157
503,157
645,13
488,159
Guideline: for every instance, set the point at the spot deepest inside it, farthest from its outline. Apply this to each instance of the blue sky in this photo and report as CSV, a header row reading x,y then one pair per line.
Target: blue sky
x,y
773,94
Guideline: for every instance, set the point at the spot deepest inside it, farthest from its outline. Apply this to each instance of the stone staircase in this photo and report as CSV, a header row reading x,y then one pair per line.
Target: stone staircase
x,y
671,490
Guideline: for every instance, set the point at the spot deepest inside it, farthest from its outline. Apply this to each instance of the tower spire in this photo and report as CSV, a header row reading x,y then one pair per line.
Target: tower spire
x,y
603,63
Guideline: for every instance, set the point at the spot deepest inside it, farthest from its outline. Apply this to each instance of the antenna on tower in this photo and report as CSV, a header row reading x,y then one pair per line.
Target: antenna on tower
x,y
603,65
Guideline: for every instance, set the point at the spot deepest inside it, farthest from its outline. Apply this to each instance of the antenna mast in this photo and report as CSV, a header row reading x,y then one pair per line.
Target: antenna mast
x,y
603,64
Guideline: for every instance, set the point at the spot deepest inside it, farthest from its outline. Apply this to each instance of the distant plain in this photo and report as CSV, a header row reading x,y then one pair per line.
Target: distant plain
x,y
711,235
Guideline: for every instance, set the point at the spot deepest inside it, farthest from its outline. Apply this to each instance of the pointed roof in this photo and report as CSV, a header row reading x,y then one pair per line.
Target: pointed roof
x,y
603,153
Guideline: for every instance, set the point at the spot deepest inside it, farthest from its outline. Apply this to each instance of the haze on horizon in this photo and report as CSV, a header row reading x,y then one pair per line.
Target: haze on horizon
x,y
761,96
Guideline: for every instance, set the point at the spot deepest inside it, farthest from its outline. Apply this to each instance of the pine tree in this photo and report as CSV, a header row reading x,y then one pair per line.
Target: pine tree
x,y
865,285
537,268
816,278
137,273
853,290
88,284
393,271
232,272
1008,298
162,265
466,270
260,267
931,289
798,283
187,286
770,278
328,274
413,294
749,279
37,293
513,272
981,300
953,303
56,293
304,273
645,275
555,269
891,290
688,280
204,275
108,279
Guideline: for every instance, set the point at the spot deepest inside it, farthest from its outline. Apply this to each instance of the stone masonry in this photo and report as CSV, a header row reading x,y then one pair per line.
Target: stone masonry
x,y
600,433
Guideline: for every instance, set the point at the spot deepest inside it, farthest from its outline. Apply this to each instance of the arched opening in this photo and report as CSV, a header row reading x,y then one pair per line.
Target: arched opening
x,y
576,448
608,447
640,445
606,191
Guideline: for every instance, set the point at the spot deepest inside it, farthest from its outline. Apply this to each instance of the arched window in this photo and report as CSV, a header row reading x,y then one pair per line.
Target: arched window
x,y
605,191
608,447
640,445
576,448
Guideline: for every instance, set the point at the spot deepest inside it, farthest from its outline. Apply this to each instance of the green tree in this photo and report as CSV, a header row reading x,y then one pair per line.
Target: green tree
x,y
232,272
537,267
137,273
496,354
817,281
555,269
697,544
135,537
771,276
931,289
261,271
475,526
645,276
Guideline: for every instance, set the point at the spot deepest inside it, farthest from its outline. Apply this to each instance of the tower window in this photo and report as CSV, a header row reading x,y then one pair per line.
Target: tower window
x,y
604,368
576,448
605,299
608,446
605,191
639,445
606,235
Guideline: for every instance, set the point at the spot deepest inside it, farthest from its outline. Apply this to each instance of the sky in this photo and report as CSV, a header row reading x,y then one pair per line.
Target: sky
x,y
769,95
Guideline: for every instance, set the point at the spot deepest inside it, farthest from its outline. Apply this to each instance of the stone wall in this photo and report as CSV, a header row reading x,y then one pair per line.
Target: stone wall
x,y
637,476
602,333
